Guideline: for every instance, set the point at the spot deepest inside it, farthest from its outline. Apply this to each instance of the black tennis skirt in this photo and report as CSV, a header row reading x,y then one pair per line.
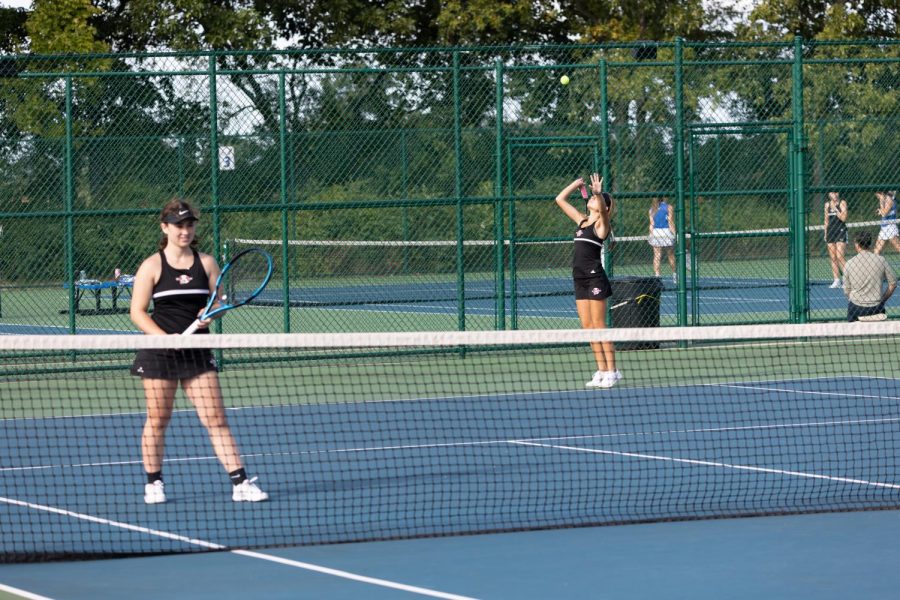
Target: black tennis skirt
x,y
836,233
173,364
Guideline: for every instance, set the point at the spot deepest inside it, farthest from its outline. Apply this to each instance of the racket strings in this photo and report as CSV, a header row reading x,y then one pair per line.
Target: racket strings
x,y
244,278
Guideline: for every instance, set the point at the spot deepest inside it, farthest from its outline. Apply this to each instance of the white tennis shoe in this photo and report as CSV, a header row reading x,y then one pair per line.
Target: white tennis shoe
x,y
155,493
836,284
610,378
595,381
248,491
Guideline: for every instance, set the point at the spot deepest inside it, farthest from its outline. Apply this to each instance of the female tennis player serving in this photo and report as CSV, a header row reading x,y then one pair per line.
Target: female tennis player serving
x,y
179,279
591,283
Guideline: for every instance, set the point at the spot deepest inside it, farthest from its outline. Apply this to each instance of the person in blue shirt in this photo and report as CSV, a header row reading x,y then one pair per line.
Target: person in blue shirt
x,y
662,234
887,210
592,287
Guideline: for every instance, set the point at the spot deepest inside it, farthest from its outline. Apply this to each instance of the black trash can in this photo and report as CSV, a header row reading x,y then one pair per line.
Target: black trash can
x,y
635,303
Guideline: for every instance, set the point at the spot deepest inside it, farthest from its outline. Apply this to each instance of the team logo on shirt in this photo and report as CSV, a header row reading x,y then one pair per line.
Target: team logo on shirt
x,y
184,279
579,233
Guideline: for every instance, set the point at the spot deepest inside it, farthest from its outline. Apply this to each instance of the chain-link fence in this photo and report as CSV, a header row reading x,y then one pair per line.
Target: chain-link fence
x,y
413,189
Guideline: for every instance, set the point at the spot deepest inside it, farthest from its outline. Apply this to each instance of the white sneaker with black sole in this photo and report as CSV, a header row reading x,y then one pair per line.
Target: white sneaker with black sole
x,y
155,493
248,491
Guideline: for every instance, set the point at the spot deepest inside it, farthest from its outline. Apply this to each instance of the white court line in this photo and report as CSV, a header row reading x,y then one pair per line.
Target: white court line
x,y
807,392
740,300
352,576
709,463
362,449
258,555
488,442
17,592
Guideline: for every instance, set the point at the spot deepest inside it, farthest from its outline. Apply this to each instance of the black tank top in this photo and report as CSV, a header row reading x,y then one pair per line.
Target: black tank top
x,y
587,261
834,221
179,295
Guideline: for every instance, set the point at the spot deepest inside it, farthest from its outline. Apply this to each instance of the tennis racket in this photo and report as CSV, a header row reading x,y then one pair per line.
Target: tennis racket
x,y
242,279
637,300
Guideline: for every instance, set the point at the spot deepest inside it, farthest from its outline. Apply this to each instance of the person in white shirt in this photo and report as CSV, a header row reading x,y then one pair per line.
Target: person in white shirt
x,y
868,280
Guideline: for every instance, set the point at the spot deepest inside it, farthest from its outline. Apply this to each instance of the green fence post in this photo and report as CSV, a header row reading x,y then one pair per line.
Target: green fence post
x,y
214,155
457,191
285,236
681,247
604,167
214,173
511,235
404,210
498,199
70,207
800,311
604,159
604,124
181,190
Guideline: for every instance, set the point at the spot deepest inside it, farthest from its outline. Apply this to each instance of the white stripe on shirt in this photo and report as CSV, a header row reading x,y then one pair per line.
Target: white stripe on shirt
x,y
589,241
181,292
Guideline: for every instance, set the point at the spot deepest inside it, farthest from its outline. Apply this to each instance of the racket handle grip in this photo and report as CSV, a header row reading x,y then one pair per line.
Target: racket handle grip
x,y
194,327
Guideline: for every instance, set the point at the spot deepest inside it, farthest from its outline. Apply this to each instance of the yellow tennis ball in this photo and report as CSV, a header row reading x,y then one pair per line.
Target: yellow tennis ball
x,y
564,80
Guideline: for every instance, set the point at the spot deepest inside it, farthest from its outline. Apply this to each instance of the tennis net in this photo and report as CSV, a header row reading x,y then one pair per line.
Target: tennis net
x,y
361,437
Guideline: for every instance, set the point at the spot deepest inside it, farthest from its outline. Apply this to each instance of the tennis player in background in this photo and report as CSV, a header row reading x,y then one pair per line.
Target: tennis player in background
x,y
179,280
887,210
592,286
662,234
836,235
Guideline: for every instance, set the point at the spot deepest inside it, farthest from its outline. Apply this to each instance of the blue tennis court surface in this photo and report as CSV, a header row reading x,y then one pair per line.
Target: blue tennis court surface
x,y
762,447
540,302
550,298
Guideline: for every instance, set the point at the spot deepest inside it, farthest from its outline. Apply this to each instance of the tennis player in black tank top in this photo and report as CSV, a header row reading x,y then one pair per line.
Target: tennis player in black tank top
x,y
592,286
179,279
836,235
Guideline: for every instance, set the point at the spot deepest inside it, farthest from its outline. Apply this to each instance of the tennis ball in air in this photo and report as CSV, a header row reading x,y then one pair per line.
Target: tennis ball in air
x,y
564,80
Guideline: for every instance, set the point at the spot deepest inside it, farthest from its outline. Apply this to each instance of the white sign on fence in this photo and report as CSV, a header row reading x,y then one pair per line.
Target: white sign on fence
x,y
226,158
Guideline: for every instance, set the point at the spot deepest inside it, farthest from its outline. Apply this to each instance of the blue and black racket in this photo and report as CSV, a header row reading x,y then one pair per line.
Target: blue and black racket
x,y
242,279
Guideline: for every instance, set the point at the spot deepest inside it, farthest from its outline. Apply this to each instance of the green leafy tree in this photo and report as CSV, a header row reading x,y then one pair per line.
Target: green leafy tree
x,y
822,19
12,29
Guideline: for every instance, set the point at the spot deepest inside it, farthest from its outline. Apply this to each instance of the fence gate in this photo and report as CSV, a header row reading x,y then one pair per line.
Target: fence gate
x,y
742,267
539,248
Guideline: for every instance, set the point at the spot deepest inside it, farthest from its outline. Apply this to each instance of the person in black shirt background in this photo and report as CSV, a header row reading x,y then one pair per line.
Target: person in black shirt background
x,y
592,286
180,280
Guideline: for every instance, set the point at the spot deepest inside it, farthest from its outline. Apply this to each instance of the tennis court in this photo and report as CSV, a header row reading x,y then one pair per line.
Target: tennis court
x,y
731,467
358,440
544,302
390,431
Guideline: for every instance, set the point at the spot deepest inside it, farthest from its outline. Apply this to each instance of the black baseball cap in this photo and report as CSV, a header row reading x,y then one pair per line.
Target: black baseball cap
x,y
182,213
